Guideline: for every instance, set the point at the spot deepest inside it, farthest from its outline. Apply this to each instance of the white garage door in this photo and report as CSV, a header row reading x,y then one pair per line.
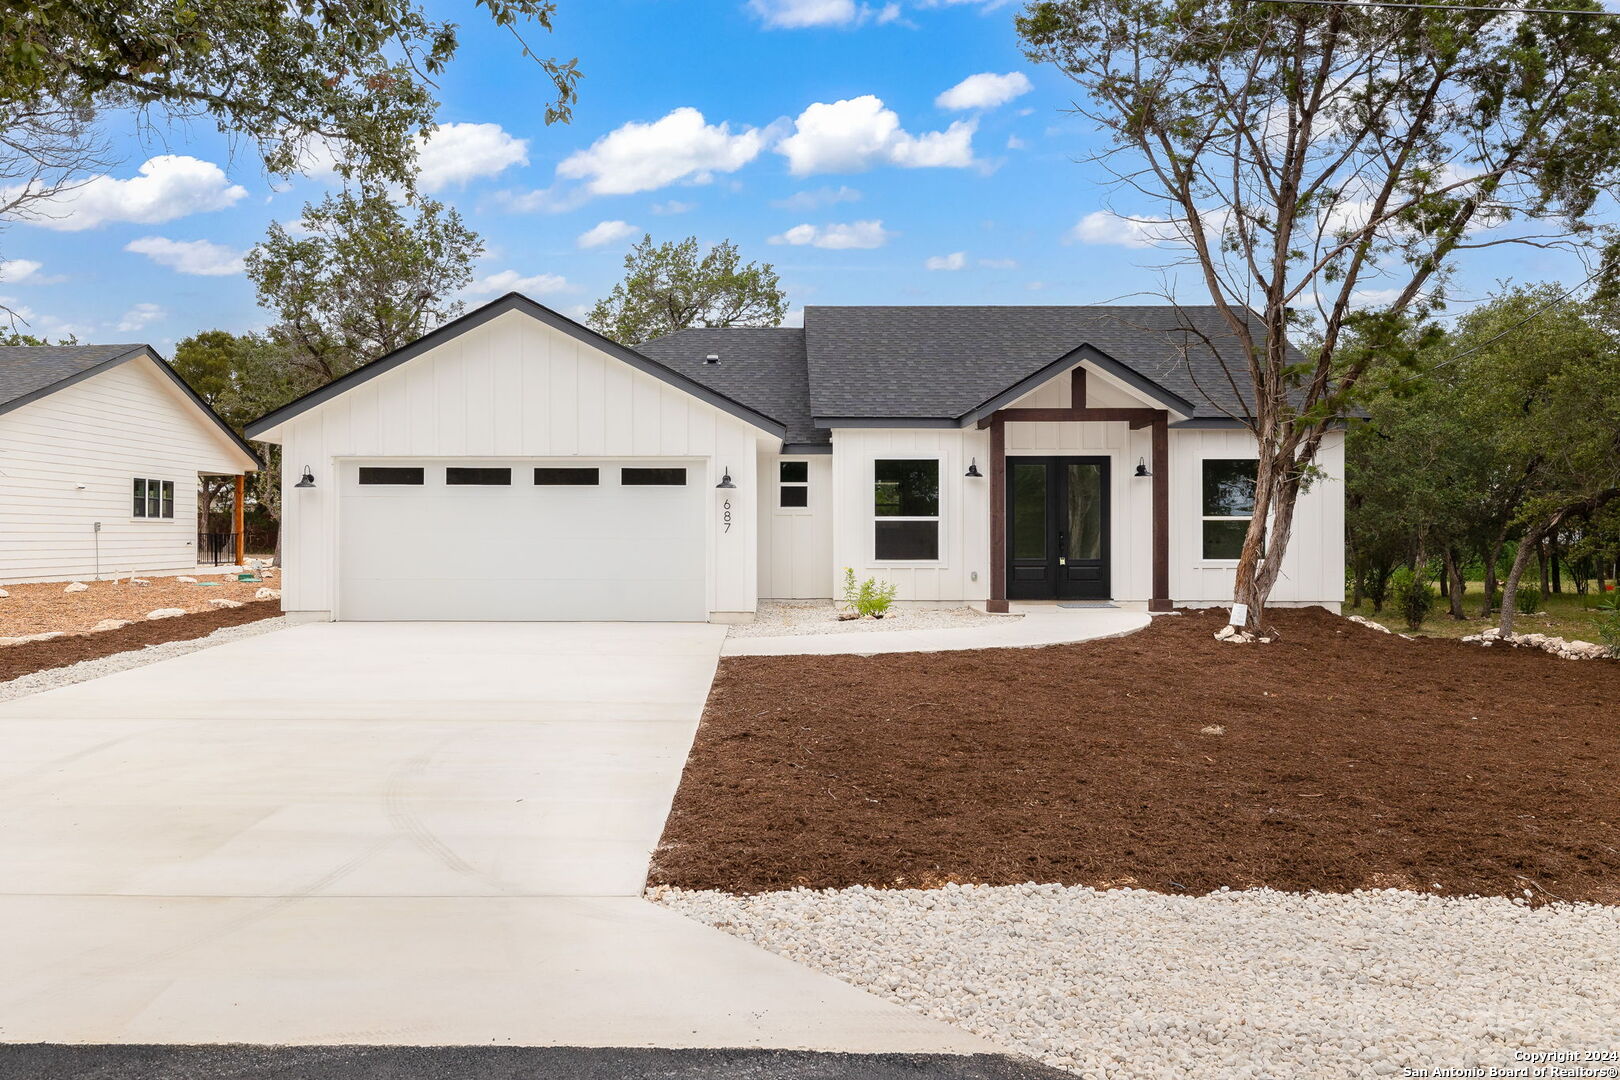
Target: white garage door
x,y
522,540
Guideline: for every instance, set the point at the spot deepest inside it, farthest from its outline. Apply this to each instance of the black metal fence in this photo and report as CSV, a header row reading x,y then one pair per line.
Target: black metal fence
x,y
216,548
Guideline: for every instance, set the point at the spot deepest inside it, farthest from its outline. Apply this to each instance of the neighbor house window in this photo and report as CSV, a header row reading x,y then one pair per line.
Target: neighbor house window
x,y
1228,504
793,484
392,475
905,503
546,476
154,499
465,476
652,477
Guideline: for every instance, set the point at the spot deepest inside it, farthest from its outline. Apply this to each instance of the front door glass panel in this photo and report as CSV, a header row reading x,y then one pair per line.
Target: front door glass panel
x,y
1029,510
1084,536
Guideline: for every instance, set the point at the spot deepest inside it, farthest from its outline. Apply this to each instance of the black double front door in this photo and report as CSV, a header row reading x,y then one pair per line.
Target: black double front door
x,y
1057,528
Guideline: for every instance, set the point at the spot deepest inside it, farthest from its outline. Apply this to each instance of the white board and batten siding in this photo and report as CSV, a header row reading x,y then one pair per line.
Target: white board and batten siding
x,y
515,389
796,542
69,459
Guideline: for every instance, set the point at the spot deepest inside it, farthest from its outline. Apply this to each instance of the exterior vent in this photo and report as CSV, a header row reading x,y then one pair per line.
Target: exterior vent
x,y
712,358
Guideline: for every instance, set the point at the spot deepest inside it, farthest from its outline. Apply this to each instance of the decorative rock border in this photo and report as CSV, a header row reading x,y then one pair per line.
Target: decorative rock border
x,y
1568,650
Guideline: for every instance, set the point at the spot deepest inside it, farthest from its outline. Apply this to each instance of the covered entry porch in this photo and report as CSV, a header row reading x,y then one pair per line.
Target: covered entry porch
x,y
1053,511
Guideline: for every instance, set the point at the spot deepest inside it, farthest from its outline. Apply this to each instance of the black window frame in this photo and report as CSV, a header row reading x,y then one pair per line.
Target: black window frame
x,y
897,536
652,476
477,476
151,499
567,476
793,494
1222,521
373,476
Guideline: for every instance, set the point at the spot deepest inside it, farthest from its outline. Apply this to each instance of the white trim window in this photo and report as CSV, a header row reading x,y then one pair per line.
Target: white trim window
x,y
153,499
1227,506
905,509
793,484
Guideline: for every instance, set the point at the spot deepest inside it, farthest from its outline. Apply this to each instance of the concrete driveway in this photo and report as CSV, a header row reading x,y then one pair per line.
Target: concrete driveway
x,y
381,833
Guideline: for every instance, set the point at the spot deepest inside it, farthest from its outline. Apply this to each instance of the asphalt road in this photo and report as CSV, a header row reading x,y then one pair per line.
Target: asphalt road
x,y
50,1061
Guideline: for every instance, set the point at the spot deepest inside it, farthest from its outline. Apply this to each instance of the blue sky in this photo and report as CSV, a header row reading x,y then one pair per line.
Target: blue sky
x,y
823,136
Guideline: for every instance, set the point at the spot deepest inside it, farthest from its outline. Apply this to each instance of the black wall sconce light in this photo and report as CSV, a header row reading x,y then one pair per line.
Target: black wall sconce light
x,y
973,468
307,480
725,479
1141,467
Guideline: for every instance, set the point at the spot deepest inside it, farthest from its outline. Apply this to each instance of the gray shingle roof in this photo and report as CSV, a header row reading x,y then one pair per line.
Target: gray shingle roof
x,y
944,362
763,368
28,369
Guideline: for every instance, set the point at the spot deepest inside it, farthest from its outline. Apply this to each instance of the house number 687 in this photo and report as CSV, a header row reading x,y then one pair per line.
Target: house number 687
x,y
725,518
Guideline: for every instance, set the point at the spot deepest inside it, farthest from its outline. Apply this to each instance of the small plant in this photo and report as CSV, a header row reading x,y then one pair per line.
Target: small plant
x,y
1412,597
1528,601
1608,624
868,597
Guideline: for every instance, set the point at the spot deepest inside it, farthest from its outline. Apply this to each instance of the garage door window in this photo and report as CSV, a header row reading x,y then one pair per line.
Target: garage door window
x,y
464,476
652,477
403,477
548,477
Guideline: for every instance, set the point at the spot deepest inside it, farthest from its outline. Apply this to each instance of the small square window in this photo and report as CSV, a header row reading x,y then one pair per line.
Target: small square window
x,y
652,477
468,476
794,472
402,476
795,496
567,477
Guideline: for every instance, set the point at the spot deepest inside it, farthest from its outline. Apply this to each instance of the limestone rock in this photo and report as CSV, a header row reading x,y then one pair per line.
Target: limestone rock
x,y
166,613
108,624
3,594
187,580
139,581
77,586
263,593
225,602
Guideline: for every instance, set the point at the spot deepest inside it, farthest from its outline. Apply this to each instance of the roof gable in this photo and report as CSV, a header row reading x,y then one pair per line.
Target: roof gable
x,y
31,372
495,308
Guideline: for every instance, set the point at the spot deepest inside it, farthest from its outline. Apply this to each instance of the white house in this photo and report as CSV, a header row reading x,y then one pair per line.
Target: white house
x,y
515,465
101,451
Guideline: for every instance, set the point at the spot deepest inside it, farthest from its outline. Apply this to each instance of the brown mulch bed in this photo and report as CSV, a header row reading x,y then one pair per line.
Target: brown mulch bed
x,y
35,656
1350,759
40,607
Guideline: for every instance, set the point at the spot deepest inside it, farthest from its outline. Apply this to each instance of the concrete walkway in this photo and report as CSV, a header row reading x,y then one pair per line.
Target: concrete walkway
x,y
402,834
1041,625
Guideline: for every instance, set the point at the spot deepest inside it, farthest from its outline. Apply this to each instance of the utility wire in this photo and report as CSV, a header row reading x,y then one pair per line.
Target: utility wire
x,y
1398,4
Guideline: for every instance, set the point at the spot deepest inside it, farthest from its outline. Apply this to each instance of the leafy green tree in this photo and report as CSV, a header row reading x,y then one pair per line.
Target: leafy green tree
x,y
362,276
1302,155
668,287
355,76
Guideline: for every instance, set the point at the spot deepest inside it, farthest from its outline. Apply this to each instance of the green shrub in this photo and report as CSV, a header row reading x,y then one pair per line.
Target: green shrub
x,y
1412,597
1608,624
1528,600
868,597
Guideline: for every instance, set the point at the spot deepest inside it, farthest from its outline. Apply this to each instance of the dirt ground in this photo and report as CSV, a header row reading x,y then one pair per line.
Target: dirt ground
x,y
35,656
1337,758
41,607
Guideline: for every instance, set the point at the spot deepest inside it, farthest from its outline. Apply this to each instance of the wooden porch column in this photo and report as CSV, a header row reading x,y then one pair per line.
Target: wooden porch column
x,y
998,516
238,514
1160,601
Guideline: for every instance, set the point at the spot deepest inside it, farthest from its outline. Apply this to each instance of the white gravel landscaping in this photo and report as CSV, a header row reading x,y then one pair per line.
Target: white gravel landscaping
x,y
792,618
1129,983
86,670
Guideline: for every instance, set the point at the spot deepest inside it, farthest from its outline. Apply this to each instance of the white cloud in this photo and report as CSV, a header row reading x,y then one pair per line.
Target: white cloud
x,y
511,281
985,90
815,200
556,199
604,233
1102,227
202,257
858,234
457,153
956,260
1015,143
673,206
169,186
139,316
858,133
14,270
643,157
797,14
999,264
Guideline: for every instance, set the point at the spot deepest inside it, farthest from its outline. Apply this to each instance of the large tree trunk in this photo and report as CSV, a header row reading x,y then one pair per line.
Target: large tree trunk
x,y
1493,556
1552,557
1530,543
1541,567
1454,584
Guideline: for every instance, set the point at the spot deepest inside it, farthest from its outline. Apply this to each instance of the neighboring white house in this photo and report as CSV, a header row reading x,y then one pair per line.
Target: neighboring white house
x,y
101,450
516,465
